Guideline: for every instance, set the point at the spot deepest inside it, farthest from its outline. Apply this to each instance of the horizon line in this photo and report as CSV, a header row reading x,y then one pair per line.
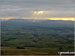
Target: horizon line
x,y
46,18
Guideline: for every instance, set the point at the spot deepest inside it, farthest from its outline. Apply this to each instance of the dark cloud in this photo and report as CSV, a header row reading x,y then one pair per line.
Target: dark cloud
x,y
56,8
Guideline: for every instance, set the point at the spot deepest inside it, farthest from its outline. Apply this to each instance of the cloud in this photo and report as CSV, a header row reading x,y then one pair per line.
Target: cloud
x,y
56,8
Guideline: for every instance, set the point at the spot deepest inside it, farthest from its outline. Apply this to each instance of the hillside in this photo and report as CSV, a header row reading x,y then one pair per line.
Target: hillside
x,y
38,34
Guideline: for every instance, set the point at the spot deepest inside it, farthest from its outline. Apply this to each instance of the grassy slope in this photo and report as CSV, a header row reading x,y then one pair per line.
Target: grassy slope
x,y
28,51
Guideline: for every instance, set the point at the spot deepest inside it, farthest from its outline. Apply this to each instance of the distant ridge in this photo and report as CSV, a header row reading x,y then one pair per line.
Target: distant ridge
x,y
43,23
34,20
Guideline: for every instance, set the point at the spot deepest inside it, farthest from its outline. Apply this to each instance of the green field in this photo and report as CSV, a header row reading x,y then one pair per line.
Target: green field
x,y
36,38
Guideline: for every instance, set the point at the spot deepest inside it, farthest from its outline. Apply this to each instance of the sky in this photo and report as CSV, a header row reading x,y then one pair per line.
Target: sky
x,y
37,9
